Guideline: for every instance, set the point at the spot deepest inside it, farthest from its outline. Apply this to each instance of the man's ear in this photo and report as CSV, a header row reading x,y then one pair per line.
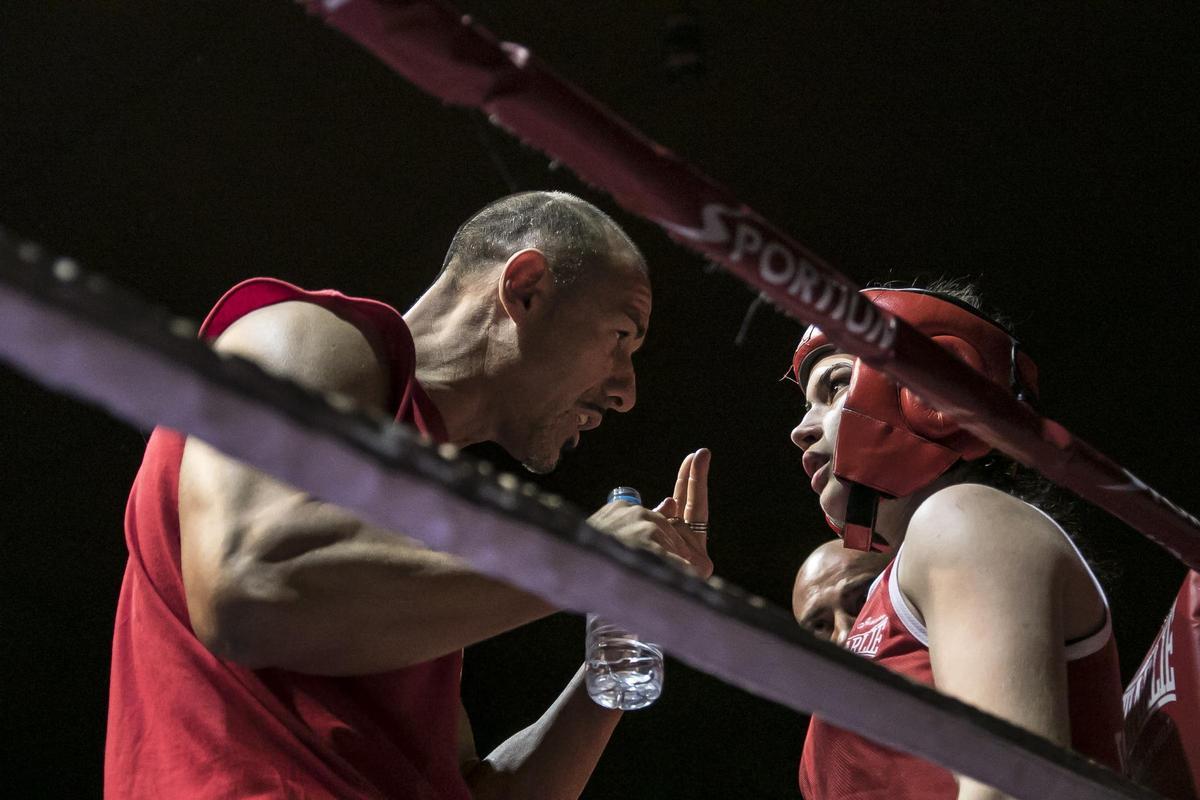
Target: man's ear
x,y
524,281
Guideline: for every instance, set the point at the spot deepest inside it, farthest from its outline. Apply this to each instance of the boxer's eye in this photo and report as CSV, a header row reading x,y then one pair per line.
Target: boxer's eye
x,y
836,379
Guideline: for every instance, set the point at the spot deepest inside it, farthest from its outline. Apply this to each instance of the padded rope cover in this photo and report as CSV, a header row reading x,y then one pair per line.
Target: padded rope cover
x,y
1161,746
447,55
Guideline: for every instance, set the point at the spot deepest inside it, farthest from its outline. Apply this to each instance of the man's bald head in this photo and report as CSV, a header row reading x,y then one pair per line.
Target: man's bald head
x,y
831,587
576,237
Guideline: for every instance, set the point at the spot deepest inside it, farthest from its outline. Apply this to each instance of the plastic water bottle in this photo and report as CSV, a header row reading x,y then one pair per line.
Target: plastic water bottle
x,y
622,671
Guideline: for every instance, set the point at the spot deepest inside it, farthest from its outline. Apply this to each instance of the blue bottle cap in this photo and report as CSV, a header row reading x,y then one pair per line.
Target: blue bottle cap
x,y
626,494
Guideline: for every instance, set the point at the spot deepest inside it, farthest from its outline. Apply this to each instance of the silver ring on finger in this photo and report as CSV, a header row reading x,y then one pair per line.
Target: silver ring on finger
x,y
698,527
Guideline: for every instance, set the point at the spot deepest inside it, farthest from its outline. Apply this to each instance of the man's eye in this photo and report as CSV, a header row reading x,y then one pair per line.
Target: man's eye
x,y
856,598
623,334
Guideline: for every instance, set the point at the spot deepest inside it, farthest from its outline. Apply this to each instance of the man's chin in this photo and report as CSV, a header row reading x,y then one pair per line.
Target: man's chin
x,y
545,464
539,467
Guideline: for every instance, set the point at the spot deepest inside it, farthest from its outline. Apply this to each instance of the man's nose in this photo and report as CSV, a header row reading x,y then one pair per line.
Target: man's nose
x,y
622,388
843,623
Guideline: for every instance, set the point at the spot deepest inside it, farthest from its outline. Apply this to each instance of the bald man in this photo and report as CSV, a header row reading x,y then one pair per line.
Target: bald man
x,y
831,587
269,644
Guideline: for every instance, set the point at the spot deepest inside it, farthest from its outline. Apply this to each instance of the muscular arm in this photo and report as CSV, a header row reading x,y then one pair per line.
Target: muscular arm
x,y
551,759
987,573
275,577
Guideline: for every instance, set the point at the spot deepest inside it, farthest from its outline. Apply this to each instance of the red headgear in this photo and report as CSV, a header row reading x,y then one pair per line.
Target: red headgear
x,y
890,442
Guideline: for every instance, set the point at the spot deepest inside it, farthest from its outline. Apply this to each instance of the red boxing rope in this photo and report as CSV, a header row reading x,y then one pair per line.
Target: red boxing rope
x,y
447,55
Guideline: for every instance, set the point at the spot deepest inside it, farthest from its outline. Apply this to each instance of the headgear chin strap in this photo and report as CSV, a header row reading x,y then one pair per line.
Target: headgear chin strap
x,y
890,442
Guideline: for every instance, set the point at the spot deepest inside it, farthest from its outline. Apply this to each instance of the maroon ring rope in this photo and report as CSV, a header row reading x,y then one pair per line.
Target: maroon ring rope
x,y
447,55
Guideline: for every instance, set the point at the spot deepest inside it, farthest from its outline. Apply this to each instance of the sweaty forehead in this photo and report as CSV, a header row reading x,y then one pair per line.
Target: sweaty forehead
x,y
832,562
625,288
623,254
813,592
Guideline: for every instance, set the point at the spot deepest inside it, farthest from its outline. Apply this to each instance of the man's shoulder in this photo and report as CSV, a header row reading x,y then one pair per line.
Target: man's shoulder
x,y
275,305
316,345
299,324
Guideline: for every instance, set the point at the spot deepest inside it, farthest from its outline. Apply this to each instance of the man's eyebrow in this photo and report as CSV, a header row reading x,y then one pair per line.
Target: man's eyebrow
x,y
637,323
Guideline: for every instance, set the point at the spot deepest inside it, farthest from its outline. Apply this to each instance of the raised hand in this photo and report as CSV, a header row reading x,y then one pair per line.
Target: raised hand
x,y
690,501
665,529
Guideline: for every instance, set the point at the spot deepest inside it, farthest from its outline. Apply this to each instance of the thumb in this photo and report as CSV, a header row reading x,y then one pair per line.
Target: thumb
x,y
668,508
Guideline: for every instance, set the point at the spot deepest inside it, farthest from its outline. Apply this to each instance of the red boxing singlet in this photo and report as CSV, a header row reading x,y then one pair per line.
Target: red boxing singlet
x,y
1161,748
840,765
184,724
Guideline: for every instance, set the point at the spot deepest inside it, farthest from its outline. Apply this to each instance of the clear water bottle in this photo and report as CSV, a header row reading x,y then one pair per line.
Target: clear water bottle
x,y
622,671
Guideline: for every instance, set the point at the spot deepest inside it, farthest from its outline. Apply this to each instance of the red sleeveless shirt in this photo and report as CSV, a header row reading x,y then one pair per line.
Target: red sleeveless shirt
x,y
183,723
840,765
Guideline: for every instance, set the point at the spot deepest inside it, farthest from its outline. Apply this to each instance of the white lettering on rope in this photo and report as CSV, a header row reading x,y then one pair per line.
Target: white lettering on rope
x,y
779,265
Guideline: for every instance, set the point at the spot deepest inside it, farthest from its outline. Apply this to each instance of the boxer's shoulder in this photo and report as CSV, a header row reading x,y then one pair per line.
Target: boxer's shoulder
x,y
975,528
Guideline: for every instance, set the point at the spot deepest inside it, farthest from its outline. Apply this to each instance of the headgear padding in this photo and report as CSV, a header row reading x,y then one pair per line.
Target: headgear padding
x,y
890,441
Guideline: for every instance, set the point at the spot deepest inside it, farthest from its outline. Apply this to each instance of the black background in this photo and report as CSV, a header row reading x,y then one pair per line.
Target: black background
x,y
180,147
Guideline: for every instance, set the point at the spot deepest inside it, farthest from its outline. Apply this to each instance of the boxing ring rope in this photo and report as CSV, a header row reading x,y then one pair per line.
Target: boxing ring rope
x,y
76,333
448,56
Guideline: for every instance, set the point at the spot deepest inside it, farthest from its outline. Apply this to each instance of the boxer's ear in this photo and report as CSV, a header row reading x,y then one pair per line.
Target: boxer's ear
x,y
524,282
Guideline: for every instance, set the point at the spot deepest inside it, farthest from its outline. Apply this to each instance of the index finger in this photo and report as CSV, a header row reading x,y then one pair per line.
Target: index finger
x,y
681,482
695,509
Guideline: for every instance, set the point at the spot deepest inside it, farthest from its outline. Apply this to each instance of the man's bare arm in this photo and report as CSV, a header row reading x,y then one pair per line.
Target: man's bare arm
x,y
275,577
552,759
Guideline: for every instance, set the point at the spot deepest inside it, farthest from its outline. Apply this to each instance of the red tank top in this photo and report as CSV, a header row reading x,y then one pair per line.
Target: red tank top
x,y
840,765
183,723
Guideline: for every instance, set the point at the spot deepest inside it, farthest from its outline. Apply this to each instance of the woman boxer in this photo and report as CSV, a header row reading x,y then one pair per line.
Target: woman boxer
x,y
986,597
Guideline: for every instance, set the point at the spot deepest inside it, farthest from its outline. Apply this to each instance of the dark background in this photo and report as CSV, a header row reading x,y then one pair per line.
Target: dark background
x,y
180,147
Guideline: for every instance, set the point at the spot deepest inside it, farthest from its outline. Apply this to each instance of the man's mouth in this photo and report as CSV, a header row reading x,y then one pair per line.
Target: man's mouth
x,y
589,417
